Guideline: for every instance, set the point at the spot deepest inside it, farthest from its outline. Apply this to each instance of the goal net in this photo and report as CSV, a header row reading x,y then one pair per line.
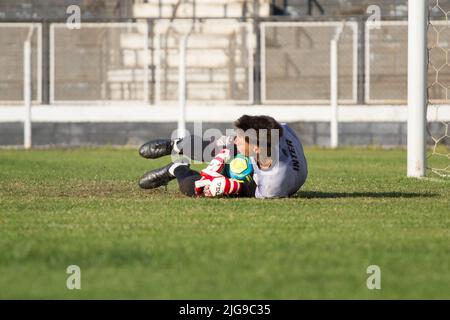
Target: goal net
x,y
438,156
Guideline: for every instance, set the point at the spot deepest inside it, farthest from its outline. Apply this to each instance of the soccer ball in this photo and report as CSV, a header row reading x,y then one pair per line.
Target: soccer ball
x,y
240,168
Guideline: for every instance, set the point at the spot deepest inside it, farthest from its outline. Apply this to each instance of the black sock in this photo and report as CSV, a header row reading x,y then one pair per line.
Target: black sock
x,y
182,172
186,180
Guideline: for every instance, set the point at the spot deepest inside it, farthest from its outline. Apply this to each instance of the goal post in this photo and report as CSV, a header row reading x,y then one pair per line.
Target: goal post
x,y
27,87
182,80
182,86
417,87
334,86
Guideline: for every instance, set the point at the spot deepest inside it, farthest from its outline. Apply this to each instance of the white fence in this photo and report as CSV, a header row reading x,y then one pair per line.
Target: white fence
x,y
295,60
136,63
99,63
12,39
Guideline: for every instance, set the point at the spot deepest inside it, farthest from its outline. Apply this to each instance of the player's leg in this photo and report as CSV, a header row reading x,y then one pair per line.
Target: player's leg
x,y
162,176
191,146
186,178
156,178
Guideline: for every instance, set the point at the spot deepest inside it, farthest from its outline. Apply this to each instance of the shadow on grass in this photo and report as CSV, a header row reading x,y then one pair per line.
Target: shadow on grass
x,y
331,195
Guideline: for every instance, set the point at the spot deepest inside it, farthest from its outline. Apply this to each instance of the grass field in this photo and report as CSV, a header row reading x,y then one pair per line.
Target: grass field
x,y
83,207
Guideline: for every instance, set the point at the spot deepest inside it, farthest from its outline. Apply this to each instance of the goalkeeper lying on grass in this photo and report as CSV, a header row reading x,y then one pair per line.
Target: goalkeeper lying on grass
x,y
276,155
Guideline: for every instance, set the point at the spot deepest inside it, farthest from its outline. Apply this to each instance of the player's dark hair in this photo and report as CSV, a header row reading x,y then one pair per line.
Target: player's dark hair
x,y
257,123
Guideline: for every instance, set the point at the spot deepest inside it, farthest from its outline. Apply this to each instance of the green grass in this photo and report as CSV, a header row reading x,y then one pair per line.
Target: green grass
x,y
83,207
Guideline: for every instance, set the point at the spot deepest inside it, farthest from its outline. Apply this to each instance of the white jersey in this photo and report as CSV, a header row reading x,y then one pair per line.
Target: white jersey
x,y
287,174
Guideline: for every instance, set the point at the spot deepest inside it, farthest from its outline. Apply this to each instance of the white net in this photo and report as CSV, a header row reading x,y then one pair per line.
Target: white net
x,y
439,85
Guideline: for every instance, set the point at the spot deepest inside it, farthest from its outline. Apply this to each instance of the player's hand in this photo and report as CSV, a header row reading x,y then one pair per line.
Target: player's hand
x,y
207,192
213,183
221,186
200,185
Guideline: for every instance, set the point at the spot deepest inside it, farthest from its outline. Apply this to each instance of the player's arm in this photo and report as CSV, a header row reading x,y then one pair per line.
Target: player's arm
x,y
220,185
213,183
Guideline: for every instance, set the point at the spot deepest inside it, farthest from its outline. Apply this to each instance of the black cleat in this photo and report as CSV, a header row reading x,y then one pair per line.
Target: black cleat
x,y
157,148
156,178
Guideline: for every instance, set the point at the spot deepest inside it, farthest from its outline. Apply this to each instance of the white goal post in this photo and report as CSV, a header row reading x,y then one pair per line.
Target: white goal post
x,y
27,83
417,87
334,86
